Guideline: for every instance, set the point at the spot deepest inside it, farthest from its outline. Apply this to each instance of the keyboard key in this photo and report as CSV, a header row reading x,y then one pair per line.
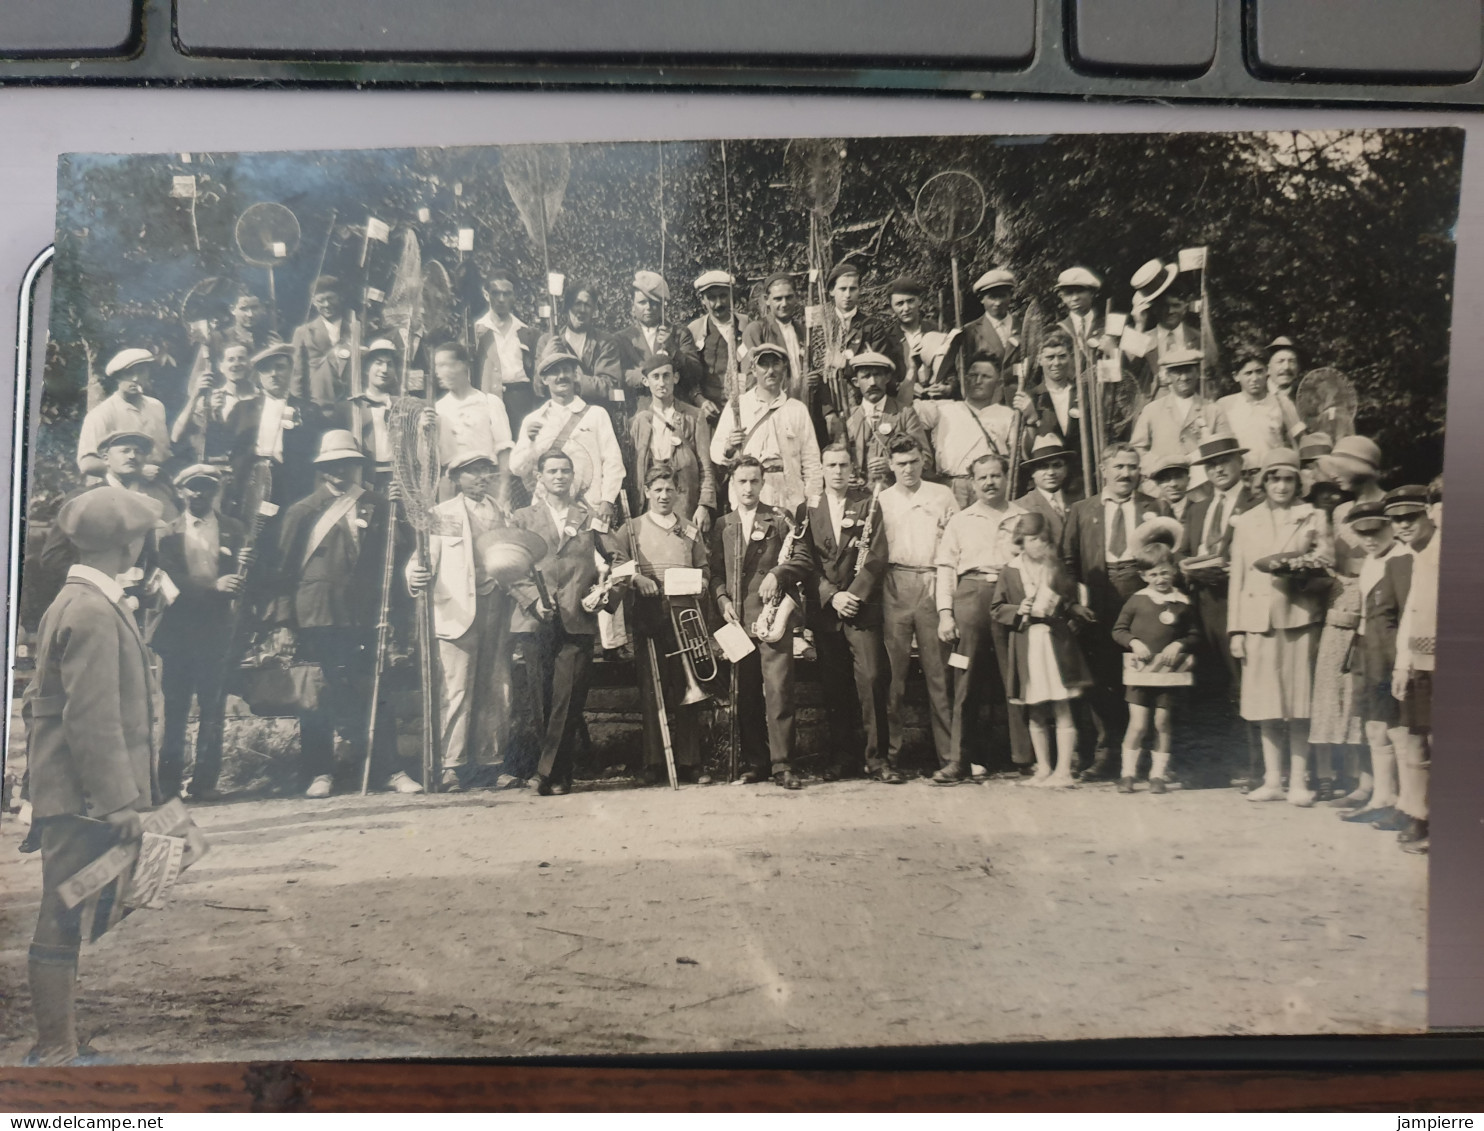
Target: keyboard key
x,y
1434,40
1149,36
978,32
65,27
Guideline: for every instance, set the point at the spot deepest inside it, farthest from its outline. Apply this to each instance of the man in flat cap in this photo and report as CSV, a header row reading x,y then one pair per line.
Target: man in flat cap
x,y
879,419
649,333
504,349
89,713
718,336
773,428
1078,288
321,353
1175,424
204,554
996,332
330,552
127,408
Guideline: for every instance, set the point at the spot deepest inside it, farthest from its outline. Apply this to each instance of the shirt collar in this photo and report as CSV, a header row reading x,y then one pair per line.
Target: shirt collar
x,y
1174,596
486,321
1108,498
664,521
110,586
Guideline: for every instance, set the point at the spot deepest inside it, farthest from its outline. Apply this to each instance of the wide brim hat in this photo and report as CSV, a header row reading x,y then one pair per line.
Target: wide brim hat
x,y
1359,451
338,446
124,436
1281,343
1047,448
993,278
127,359
107,517
1218,447
381,345
1157,529
652,285
508,553
267,353
1153,279
1078,277
198,471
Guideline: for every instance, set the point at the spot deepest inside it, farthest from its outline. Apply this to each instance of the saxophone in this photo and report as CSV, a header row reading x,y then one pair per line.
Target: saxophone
x,y
772,622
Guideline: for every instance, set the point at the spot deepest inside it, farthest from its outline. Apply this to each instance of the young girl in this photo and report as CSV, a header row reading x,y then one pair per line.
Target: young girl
x,y
1160,626
1037,599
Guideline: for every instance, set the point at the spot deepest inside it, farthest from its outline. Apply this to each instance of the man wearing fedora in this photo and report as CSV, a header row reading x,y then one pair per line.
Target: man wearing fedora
x,y
879,419
127,408
1049,464
650,333
471,617
321,354
201,551
89,712
330,553
996,333
718,336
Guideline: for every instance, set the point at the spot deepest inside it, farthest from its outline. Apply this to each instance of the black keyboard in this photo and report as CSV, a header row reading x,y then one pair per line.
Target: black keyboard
x,y
1418,52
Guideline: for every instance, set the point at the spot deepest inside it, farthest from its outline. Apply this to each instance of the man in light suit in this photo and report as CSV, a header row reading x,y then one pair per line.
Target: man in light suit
x,y
557,637
321,359
471,618
718,338
1097,545
90,717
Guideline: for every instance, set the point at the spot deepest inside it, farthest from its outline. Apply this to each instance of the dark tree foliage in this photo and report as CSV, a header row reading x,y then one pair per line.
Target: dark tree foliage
x,y
1343,241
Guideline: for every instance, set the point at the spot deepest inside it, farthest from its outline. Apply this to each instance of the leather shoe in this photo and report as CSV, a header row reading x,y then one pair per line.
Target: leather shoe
x,y
1416,847
1394,823
1125,785
1369,816
205,793
703,779
543,785
561,788
1414,832
749,777
788,779
32,840
320,786
1100,769
890,777
1157,785
943,777
449,782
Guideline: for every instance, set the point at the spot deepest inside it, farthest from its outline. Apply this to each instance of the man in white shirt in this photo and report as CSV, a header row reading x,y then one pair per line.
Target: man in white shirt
x,y
964,431
470,419
582,431
504,349
913,515
1260,418
128,408
774,428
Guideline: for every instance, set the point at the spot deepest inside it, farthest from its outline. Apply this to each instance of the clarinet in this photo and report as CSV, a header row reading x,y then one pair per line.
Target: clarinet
x,y
863,547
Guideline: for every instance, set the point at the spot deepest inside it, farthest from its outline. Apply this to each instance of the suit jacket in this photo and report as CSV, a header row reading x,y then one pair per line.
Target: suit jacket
x,y
90,709
691,460
569,570
337,583
1084,551
198,619
712,348
451,562
484,340
1195,522
600,373
1383,614
867,442
633,351
1036,503
1046,421
760,556
321,372
979,337
832,563
1163,428
1262,602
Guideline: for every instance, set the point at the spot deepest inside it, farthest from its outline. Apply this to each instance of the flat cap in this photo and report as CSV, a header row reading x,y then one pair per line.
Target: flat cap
x,y
870,359
1368,515
197,471
652,284
1169,461
708,279
107,517
1078,277
126,436
127,359
993,278
903,285
555,352
268,353
468,459
1181,358
765,349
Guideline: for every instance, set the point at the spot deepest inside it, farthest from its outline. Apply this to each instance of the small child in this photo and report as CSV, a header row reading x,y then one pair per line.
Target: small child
x,y
1038,599
1160,626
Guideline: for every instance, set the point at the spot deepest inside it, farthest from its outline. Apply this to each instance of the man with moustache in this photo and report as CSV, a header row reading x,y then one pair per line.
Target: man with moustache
x,y
773,428
719,338
845,616
127,408
1175,424
1283,366
965,430
649,334
878,420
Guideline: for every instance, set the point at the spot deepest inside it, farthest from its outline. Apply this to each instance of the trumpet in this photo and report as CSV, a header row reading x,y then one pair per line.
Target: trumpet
x,y
694,650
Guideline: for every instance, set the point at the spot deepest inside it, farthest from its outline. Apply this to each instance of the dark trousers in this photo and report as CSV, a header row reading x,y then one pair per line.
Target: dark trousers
x,y
1218,691
1105,698
979,689
765,690
68,844
346,657
520,399
853,674
559,664
198,674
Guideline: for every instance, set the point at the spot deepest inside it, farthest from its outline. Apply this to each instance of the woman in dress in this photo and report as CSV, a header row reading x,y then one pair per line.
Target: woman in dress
x,y
1275,611
1037,599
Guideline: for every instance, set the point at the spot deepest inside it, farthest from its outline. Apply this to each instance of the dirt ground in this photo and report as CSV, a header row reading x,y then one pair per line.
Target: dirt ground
x,y
733,918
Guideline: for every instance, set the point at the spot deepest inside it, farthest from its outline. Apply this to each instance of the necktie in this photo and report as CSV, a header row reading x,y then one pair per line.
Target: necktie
x,y
1118,536
1218,524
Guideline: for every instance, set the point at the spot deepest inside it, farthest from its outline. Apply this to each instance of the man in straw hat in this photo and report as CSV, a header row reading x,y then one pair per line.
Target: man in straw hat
x,y
650,333
1159,310
1049,464
330,552
879,419
996,332
201,552
775,429
90,717
127,408
718,338
566,423
321,353
471,615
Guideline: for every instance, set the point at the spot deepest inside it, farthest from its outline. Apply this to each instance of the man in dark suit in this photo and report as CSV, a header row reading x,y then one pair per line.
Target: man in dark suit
x,y
844,612
902,333
1207,539
879,419
718,336
1097,545
200,552
598,373
753,561
557,637
321,357
649,334
1048,464
995,333
782,326
848,332
505,350
330,560
89,716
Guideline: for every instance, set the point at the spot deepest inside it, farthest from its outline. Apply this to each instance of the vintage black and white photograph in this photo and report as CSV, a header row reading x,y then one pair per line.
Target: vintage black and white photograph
x,y
719,596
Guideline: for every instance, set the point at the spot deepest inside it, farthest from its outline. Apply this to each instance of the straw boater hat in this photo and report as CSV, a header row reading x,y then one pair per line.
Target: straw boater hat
x,y
338,446
268,353
381,345
1157,528
1153,279
1047,447
709,279
652,284
992,279
107,517
127,359
198,471
1078,277
1217,447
